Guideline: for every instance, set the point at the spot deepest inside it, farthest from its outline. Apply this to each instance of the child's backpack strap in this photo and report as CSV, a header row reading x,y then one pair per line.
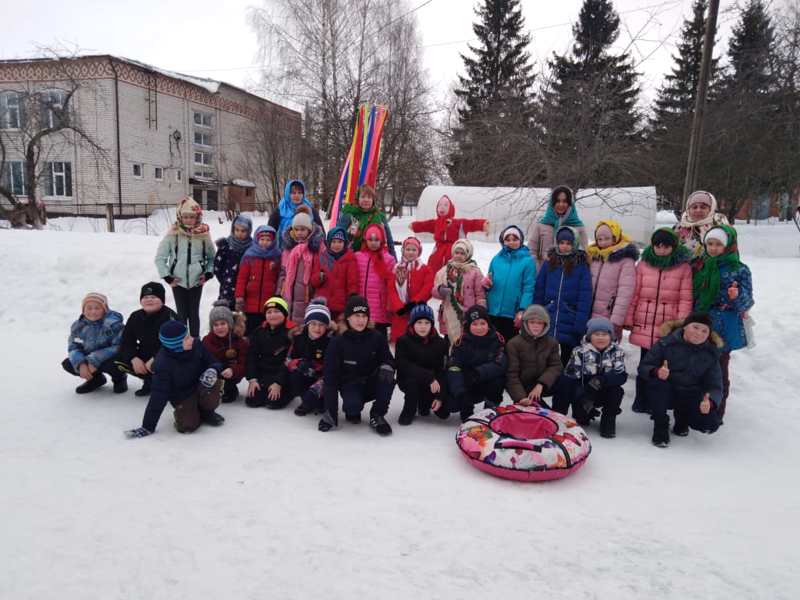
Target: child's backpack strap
x,y
174,258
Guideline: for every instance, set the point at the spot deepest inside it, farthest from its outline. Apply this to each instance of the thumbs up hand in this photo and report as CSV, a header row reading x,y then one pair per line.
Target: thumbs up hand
x,y
733,291
705,405
663,372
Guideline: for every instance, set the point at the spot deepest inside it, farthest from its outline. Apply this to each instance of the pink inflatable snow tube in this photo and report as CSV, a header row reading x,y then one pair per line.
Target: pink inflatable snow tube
x,y
525,443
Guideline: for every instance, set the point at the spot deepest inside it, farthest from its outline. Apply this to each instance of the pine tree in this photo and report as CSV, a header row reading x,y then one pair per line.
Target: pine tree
x,y
590,121
751,50
495,98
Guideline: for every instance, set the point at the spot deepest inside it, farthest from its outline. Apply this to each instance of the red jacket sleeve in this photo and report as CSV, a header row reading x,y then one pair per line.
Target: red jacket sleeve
x,y
428,226
316,270
241,360
423,291
395,303
351,278
471,225
241,278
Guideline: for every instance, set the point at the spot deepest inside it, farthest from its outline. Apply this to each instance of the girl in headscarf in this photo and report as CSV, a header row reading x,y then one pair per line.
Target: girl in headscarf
x,y
294,196
229,254
355,218
700,216
561,212
459,285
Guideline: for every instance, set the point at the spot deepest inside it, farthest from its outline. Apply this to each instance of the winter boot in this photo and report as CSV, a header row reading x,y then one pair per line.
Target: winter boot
x,y
354,419
608,424
145,389
230,393
120,384
302,410
661,433
681,426
405,419
98,381
379,424
327,422
212,418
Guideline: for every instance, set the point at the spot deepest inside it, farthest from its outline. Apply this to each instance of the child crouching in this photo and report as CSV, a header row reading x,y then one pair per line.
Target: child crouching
x,y
186,376
266,358
307,355
94,341
227,347
593,378
421,360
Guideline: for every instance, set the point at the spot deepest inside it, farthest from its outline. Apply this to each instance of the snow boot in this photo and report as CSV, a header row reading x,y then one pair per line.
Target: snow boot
x,y
379,424
608,424
661,433
326,423
405,419
681,425
98,381
212,418
120,384
303,410
230,393
145,389
354,419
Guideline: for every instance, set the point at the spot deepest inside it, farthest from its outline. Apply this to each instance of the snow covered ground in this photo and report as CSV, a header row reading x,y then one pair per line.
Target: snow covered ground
x,y
268,507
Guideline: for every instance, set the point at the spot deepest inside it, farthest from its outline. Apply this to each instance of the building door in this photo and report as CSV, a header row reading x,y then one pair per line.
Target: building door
x,y
197,195
212,200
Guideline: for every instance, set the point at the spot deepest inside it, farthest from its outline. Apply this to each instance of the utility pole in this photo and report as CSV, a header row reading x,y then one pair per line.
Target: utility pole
x,y
696,136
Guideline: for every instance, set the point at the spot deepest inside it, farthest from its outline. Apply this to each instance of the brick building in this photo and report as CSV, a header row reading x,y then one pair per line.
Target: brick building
x,y
163,135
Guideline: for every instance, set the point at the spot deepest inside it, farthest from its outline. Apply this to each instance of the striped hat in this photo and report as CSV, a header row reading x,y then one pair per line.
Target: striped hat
x,y
318,310
171,335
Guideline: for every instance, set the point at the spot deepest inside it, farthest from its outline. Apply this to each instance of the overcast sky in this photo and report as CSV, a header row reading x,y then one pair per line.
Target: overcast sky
x,y
211,38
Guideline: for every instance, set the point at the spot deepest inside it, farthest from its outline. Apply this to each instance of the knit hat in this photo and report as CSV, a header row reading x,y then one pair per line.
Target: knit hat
x,y
221,312
355,305
664,237
264,230
565,234
539,313
337,233
95,297
153,288
171,335
464,245
717,233
420,311
279,303
513,229
701,197
599,324
317,310
414,242
302,219
698,317
475,312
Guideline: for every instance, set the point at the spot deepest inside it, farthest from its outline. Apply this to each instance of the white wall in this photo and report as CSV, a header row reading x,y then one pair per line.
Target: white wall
x,y
634,208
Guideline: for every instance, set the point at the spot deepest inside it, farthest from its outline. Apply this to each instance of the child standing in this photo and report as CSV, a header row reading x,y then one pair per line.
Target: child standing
x,y
185,260
306,358
682,372
613,263
458,284
375,275
257,277
338,278
564,288
94,341
421,367
302,245
266,358
446,230
412,285
355,218
294,199
593,378
663,293
229,254
359,365
511,278
723,287
228,349
561,212
186,375
140,342
534,363
477,368
700,216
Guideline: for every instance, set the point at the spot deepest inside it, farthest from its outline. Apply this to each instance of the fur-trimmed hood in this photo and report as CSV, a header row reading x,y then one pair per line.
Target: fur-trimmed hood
x,y
629,251
670,327
579,256
315,240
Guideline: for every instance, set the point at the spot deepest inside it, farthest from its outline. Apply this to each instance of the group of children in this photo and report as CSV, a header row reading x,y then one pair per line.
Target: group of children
x,y
315,315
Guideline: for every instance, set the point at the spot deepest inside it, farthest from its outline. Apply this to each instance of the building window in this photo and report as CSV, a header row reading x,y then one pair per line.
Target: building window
x,y
203,119
54,113
207,174
178,175
159,173
13,177
10,116
202,139
203,158
58,179
137,170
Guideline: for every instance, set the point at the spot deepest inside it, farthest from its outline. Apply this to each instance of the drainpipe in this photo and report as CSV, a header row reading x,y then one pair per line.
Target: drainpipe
x,y
116,116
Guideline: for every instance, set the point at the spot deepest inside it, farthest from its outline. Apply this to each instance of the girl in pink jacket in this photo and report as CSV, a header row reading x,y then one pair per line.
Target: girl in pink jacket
x,y
613,264
375,274
459,285
663,293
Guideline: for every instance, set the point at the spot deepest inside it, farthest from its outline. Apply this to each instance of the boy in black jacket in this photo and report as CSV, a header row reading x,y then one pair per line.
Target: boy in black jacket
x,y
185,374
421,360
682,372
307,356
478,363
266,358
140,337
358,364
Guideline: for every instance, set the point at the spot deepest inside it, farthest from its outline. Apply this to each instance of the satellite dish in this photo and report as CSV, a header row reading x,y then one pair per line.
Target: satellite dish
x,y
176,135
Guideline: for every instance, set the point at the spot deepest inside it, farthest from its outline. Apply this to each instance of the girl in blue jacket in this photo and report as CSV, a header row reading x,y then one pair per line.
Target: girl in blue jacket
x,y
564,288
510,282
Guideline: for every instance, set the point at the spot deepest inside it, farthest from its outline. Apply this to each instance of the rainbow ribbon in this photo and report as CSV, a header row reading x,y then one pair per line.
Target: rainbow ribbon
x,y
361,166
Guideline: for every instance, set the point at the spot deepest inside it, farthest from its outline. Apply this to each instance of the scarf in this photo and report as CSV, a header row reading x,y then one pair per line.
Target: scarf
x,y
453,307
679,255
620,241
571,219
363,218
287,208
238,245
706,281
410,267
271,252
291,258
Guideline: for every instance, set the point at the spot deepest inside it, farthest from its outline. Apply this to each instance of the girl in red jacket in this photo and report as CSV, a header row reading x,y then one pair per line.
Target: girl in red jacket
x,y
338,273
446,230
413,283
257,276
227,347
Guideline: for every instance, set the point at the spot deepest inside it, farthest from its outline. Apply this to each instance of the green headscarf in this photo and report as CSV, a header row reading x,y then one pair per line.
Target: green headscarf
x,y
706,281
364,218
679,255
